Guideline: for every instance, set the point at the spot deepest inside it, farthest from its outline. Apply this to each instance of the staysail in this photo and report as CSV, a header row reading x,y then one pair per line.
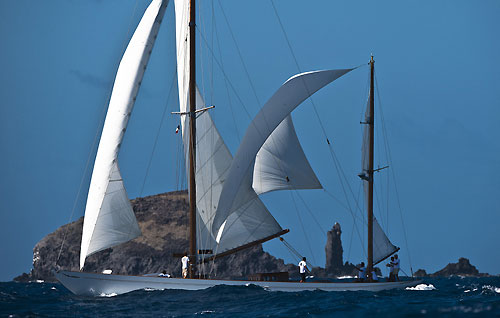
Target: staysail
x,y
249,223
382,247
281,163
237,190
109,218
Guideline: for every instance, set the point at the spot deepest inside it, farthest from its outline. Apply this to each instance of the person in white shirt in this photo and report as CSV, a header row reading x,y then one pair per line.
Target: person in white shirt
x,y
395,271
374,276
302,269
185,266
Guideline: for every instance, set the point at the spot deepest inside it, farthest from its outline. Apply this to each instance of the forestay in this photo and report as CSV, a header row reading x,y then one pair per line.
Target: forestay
x,y
237,190
109,218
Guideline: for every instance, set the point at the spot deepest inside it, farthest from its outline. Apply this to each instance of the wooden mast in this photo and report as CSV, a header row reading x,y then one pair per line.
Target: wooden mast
x,y
371,122
192,137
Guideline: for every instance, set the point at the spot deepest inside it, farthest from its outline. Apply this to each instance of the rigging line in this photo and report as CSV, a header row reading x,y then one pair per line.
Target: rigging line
x,y
350,241
310,212
311,99
395,184
353,225
341,203
225,82
230,84
158,133
292,250
211,57
298,66
341,174
336,164
225,74
239,54
99,129
302,226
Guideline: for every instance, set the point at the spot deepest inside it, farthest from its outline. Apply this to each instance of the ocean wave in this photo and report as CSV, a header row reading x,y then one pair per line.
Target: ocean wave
x,y
492,288
108,295
422,287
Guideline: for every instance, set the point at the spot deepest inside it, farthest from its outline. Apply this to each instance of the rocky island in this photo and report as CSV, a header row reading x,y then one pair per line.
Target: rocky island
x,y
164,224
462,268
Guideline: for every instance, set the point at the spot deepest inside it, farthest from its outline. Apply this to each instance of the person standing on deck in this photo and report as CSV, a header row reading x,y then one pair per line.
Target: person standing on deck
x,y
302,269
395,271
391,269
185,266
362,272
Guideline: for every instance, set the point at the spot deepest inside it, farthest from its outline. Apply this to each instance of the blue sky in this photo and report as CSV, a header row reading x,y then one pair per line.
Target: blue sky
x,y
438,76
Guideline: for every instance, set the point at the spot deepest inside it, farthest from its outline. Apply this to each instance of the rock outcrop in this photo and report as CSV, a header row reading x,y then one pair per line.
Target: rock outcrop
x,y
335,265
163,221
462,268
334,251
420,273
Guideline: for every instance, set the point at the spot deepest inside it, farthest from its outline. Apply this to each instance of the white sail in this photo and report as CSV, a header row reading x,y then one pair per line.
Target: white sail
x,y
182,48
382,247
281,163
109,219
238,189
213,159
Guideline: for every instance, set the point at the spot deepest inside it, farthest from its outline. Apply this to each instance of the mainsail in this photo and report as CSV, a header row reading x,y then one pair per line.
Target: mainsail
x,y
109,218
237,190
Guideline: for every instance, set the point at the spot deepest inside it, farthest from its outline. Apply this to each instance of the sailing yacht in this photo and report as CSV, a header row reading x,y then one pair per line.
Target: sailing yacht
x,y
226,214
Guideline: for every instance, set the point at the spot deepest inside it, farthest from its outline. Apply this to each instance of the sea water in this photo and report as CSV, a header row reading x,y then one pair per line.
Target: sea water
x,y
443,297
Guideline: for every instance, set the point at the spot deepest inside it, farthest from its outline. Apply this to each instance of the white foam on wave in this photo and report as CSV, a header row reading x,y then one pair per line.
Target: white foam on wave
x,y
422,287
492,288
205,312
153,289
108,295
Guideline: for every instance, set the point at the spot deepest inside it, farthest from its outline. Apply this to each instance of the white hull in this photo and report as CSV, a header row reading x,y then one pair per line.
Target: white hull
x,y
101,284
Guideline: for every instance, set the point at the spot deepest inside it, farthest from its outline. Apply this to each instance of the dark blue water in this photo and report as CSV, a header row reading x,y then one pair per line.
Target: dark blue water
x,y
452,297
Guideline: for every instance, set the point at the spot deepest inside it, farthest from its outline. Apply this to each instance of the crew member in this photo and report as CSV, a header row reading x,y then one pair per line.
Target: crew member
x,y
395,271
185,266
302,269
362,272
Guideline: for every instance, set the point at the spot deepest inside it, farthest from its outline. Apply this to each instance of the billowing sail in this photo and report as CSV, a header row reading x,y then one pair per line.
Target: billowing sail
x,y
281,163
382,247
109,218
237,189
213,159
